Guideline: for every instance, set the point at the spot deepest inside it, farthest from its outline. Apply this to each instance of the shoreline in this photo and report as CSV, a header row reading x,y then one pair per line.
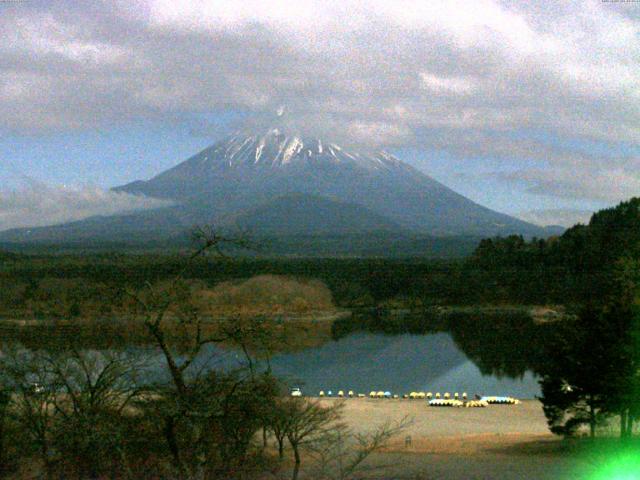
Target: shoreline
x,y
510,442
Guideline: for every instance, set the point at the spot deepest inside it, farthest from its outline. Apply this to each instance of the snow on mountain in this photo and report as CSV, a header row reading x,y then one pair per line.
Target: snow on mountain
x,y
244,171
276,149
282,184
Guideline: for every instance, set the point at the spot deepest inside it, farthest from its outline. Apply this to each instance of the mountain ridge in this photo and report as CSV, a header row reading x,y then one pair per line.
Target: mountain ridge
x,y
240,173
282,185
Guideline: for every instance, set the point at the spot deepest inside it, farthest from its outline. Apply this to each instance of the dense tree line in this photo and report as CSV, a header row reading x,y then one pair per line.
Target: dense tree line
x,y
511,270
592,368
572,268
30,287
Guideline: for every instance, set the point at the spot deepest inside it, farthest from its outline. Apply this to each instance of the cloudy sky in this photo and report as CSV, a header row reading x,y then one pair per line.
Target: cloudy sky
x,y
530,108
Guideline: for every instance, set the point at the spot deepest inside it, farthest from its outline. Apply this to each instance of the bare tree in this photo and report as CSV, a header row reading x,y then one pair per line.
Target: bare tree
x,y
32,400
158,303
199,408
340,453
5,399
257,340
302,421
93,391
278,424
71,406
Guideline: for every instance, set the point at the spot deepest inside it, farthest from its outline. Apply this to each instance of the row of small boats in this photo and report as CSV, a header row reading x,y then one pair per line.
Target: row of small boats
x,y
388,394
481,402
435,400
456,403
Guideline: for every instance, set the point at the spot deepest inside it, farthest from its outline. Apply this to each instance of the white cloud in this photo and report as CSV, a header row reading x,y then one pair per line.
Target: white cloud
x,y
452,75
563,217
605,185
49,37
454,85
221,14
375,133
39,205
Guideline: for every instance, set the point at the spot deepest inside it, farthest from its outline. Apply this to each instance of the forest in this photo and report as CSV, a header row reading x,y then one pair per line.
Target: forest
x,y
587,362
567,269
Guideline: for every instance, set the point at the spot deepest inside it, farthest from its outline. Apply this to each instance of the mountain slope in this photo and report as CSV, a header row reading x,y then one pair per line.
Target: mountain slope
x,y
242,172
279,185
130,228
310,215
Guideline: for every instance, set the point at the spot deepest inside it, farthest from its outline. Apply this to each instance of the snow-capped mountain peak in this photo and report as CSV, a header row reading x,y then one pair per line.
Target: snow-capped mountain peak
x,y
275,148
247,170
283,183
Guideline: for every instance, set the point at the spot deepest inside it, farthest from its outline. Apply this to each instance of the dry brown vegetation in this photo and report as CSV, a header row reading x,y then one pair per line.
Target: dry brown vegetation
x,y
297,312
64,298
266,294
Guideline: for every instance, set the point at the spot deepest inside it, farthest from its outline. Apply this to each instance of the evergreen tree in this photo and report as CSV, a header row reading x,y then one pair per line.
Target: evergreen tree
x,y
593,368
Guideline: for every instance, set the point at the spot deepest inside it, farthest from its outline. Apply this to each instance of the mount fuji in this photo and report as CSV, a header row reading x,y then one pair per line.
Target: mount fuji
x,y
277,184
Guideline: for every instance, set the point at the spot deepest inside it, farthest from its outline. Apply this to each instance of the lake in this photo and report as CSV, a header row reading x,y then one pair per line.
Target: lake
x,y
485,356
401,363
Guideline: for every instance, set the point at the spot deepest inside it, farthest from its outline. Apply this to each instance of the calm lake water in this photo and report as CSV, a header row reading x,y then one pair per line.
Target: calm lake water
x,y
472,355
400,363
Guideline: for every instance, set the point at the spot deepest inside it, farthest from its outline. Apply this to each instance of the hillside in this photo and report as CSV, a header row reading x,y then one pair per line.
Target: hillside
x,y
299,214
283,186
243,172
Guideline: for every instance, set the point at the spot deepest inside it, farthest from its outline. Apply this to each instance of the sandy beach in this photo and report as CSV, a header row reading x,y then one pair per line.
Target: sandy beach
x,y
500,441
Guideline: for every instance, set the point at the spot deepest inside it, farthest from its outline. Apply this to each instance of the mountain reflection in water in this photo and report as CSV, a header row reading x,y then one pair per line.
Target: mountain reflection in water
x,y
477,353
400,363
